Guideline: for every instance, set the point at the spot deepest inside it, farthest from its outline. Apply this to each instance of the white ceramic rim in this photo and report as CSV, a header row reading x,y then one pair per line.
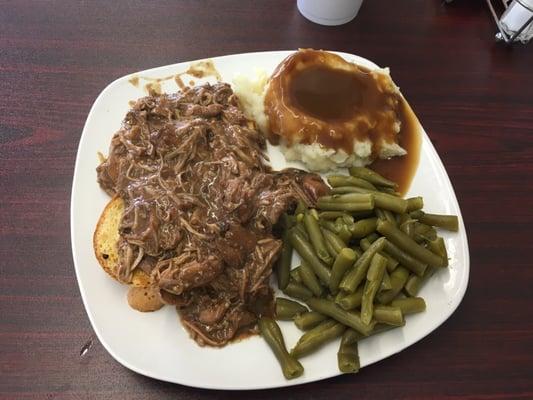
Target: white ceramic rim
x,y
432,153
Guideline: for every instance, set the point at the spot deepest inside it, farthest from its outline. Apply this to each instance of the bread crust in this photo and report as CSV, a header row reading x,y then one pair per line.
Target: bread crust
x,y
105,240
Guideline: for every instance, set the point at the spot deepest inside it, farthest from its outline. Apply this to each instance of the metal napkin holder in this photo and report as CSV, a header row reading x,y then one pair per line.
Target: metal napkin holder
x,y
502,35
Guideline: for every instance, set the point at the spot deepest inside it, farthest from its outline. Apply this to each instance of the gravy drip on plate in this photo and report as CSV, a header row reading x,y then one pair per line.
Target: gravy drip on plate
x,y
402,169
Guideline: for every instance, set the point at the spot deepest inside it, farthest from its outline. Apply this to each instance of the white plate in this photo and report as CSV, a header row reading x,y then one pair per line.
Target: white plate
x,y
155,344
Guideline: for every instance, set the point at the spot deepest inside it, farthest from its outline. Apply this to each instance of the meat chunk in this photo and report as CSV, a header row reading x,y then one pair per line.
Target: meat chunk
x,y
179,277
236,245
314,187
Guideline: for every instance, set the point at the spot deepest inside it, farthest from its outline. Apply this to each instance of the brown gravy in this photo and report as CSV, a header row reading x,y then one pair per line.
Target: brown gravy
x,y
326,93
318,97
153,88
199,69
134,81
402,169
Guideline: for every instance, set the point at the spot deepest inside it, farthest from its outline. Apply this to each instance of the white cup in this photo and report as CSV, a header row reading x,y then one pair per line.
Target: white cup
x,y
329,12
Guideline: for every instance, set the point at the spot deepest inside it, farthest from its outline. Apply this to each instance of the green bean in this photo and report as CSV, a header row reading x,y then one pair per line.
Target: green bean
x,y
319,328
348,355
391,262
407,244
339,296
330,248
349,207
371,176
287,309
357,250
405,259
329,225
287,221
343,262
389,315
374,277
423,232
333,239
385,283
344,233
316,238
381,200
351,336
384,201
410,305
363,197
309,279
352,300
398,279
389,202
305,250
355,276
270,331
365,243
283,266
347,180
353,190
331,203
301,208
337,227
312,341
373,237
448,222
408,227
390,216
390,191
346,189
379,213
308,320
438,247
363,227
401,218
415,282
297,291
385,215
295,275
347,318
331,215
346,220
377,269
415,203
300,228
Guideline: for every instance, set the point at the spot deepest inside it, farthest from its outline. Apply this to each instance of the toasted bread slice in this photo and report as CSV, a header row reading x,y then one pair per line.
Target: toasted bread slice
x,y
105,242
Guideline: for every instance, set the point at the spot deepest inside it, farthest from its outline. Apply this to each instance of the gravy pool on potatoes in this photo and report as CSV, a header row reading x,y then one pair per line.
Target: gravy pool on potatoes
x,y
316,96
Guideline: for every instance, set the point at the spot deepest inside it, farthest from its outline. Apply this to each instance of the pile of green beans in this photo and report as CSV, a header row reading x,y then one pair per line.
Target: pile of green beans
x,y
365,254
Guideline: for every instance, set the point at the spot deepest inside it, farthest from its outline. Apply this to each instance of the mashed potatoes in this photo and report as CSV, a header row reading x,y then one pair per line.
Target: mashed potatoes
x,y
317,157
251,93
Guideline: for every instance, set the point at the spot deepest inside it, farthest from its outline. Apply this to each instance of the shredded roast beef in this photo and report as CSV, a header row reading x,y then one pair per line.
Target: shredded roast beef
x,y
200,206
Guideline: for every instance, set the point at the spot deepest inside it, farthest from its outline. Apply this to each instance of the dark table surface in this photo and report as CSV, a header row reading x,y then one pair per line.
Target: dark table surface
x,y
473,96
